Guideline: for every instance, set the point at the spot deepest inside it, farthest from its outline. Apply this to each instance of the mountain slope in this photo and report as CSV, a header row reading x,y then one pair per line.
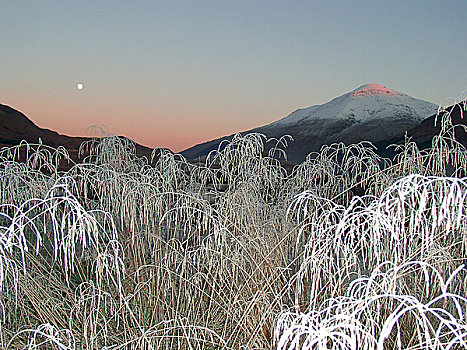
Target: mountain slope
x,y
371,112
423,133
15,127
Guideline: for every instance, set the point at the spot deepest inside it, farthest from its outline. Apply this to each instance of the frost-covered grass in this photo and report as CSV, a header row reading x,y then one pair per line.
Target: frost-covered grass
x,y
349,251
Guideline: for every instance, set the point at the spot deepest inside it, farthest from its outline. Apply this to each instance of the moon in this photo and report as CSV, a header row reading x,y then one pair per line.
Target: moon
x,y
80,86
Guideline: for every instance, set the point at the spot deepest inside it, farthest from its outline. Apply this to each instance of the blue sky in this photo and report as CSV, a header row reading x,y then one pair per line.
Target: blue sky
x,y
176,73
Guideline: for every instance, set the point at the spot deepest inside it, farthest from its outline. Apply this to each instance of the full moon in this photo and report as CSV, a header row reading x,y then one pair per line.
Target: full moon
x,y
80,86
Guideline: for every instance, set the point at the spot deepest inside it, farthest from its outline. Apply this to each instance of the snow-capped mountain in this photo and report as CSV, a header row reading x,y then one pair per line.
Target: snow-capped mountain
x,y
368,102
371,112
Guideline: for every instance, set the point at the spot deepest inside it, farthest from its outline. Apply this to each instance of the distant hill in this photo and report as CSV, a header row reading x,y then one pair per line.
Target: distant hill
x,y
369,113
311,127
424,132
15,127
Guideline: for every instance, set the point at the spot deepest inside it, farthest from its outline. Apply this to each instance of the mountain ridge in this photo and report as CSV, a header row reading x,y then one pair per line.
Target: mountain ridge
x,y
370,112
16,127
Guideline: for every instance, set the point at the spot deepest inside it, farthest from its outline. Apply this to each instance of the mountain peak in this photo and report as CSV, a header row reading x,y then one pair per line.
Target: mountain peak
x,y
371,112
373,89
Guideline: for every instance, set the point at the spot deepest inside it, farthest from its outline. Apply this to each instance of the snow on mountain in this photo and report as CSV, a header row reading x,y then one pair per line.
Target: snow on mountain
x,y
369,113
368,102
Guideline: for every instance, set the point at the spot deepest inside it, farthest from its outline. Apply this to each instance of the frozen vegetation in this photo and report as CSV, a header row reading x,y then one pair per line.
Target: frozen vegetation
x,y
347,251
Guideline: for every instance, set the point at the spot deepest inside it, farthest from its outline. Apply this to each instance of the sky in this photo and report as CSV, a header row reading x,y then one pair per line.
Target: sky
x,y
177,73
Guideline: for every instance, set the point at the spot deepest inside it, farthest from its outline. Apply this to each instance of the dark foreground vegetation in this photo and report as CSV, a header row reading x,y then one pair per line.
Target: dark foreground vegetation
x,y
349,250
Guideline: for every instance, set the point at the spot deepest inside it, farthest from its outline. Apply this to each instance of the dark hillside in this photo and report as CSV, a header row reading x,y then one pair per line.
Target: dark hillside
x,y
15,127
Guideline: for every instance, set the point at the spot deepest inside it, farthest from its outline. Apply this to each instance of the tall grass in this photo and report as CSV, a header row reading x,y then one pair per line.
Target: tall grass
x,y
347,251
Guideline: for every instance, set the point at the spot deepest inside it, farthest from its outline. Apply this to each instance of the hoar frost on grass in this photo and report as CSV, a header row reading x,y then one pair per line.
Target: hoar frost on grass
x,y
373,314
123,252
417,217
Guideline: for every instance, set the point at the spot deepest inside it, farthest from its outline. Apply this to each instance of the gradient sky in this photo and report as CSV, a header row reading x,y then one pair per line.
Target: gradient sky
x,y
176,73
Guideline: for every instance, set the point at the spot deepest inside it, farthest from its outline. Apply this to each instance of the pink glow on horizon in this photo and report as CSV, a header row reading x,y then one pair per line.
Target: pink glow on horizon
x,y
73,120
